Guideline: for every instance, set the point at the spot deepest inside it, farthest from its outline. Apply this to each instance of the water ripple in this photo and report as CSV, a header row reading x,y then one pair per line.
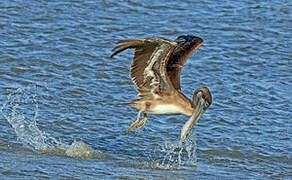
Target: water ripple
x,y
64,48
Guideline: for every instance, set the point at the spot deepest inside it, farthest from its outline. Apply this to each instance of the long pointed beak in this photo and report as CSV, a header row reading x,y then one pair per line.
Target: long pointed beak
x,y
188,126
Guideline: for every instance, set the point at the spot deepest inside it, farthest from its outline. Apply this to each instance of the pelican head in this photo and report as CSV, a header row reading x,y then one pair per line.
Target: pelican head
x,y
202,99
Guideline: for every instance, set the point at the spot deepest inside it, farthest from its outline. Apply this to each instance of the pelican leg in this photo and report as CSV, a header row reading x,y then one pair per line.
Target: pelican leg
x,y
134,123
142,122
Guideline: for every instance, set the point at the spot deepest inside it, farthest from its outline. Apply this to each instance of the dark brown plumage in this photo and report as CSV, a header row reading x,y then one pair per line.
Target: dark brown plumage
x,y
155,70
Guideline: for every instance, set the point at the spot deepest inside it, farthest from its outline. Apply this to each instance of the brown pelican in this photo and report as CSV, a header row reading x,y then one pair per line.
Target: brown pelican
x,y
156,72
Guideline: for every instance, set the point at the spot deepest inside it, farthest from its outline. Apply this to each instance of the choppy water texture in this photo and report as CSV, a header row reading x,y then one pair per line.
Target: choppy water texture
x,y
61,95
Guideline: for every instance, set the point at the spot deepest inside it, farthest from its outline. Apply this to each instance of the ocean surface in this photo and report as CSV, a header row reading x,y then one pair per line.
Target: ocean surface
x,y
62,97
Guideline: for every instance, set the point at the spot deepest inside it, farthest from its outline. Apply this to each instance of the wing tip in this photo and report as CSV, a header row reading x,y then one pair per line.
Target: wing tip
x,y
125,44
118,48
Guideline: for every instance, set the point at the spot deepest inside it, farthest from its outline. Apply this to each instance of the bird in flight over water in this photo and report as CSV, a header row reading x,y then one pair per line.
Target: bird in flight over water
x,y
155,70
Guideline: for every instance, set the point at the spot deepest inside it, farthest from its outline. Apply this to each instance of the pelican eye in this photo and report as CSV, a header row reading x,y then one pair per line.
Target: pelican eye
x,y
206,104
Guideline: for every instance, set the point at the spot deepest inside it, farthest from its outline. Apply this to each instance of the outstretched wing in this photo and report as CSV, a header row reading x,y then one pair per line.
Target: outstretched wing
x,y
148,69
178,58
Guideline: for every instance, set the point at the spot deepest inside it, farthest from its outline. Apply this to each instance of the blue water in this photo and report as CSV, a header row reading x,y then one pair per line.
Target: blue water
x,y
61,95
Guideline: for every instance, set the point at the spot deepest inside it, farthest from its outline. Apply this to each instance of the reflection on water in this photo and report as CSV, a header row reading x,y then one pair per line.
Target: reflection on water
x,y
21,111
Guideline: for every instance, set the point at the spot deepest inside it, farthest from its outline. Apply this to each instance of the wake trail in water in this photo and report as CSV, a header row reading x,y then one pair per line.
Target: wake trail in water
x,y
21,111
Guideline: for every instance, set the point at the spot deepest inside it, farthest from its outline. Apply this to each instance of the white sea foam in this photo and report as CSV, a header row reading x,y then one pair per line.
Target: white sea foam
x,y
21,111
174,155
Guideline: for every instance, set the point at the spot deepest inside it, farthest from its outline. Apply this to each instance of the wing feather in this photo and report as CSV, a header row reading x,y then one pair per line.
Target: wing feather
x,y
177,60
148,69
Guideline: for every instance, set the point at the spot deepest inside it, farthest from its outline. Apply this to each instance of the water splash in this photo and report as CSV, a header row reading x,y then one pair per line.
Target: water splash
x,y
21,111
175,155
